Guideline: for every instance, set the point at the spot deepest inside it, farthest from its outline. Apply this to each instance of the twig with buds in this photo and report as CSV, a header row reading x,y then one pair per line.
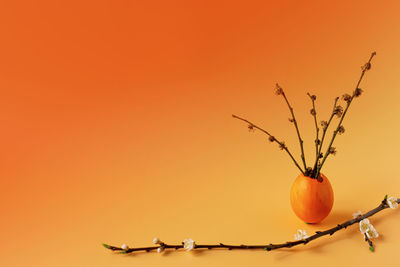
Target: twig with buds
x,y
279,91
325,126
356,93
301,236
337,111
313,112
271,138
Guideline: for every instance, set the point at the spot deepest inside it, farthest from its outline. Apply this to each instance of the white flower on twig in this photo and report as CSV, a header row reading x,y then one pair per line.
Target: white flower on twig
x,y
371,232
392,202
364,225
300,235
124,246
356,214
368,229
188,244
160,249
156,241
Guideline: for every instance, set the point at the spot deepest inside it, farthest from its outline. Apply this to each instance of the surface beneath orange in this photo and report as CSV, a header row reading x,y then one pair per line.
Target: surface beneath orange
x,y
116,128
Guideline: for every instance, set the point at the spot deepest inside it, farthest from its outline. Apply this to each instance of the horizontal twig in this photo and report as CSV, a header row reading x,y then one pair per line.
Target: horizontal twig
x,y
383,205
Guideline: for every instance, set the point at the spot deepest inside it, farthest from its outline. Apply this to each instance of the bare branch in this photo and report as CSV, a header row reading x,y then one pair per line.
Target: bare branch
x,y
356,93
314,114
279,91
383,205
271,139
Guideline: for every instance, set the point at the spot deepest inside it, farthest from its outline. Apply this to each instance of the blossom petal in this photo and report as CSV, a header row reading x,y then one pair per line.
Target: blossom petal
x,y
300,235
371,232
356,214
188,244
364,225
392,202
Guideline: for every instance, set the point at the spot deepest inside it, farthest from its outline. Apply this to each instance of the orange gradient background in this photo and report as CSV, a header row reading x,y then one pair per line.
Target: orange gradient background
x,y
116,128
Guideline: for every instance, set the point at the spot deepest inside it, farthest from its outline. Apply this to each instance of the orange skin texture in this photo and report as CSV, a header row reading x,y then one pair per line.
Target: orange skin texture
x,y
311,200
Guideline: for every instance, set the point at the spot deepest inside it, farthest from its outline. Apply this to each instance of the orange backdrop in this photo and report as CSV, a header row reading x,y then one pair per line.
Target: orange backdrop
x,y
116,127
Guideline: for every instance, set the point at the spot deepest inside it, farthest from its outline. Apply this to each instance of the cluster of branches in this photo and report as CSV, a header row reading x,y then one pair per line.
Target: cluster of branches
x,y
161,246
337,111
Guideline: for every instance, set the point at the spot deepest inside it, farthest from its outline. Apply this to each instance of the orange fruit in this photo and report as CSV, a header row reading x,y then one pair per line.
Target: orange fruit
x,y
311,200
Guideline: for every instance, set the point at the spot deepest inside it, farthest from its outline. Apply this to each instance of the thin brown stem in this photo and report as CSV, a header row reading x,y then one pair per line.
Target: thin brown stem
x,y
314,114
273,139
344,114
324,129
371,245
383,205
297,130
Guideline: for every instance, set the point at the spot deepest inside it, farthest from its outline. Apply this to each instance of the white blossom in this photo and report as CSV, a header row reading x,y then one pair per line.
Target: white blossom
x,y
368,229
392,202
300,235
364,225
124,246
156,240
356,214
188,244
160,249
371,232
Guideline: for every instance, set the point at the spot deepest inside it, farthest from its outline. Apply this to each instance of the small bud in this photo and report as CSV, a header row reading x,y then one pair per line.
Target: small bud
x,y
291,119
341,129
124,246
106,246
313,97
366,66
156,241
271,139
338,111
251,128
347,98
324,124
358,92
282,145
160,249
313,112
278,90
332,150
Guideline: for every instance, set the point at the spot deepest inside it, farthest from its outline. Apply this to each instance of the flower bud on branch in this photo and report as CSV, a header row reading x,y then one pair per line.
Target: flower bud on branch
x,y
357,92
341,129
278,90
324,125
338,111
332,150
